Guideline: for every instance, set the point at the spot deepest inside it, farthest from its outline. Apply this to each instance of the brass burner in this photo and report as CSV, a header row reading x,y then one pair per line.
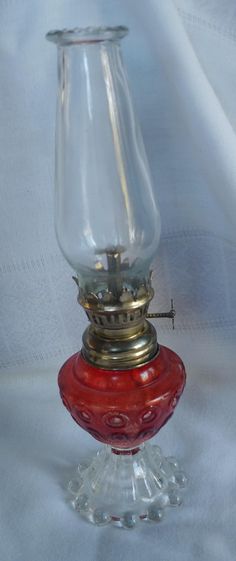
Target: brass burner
x,y
119,335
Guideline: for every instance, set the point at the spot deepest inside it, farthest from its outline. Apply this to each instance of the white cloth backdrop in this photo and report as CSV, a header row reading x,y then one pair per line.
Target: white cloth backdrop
x,y
181,59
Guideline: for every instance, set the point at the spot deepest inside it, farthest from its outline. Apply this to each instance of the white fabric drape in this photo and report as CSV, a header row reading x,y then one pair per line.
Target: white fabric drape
x,y
181,59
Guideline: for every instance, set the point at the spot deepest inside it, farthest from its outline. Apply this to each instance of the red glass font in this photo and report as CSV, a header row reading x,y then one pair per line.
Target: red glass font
x,y
122,408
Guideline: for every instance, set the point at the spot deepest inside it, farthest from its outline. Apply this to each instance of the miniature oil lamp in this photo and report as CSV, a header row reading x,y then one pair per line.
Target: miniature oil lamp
x,y
122,387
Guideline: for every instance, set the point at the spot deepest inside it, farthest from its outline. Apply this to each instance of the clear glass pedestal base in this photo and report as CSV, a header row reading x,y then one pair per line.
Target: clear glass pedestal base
x,y
126,488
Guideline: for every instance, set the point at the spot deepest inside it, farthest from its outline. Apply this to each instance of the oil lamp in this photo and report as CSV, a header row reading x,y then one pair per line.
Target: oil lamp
x,y
122,387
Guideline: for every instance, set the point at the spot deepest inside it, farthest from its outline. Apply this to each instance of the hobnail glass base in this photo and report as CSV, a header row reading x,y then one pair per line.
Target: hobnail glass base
x,y
124,488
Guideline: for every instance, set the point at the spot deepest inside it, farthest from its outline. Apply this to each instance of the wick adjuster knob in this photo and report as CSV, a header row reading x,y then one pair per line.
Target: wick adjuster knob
x,y
171,314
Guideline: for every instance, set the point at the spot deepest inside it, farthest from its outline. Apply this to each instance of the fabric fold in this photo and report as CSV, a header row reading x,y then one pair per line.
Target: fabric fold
x,y
213,134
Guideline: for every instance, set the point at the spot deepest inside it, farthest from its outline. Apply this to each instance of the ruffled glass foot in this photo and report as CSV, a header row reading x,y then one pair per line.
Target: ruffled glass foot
x,y
125,487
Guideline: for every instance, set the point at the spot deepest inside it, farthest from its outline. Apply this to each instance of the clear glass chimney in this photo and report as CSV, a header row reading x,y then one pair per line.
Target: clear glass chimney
x,y
107,221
